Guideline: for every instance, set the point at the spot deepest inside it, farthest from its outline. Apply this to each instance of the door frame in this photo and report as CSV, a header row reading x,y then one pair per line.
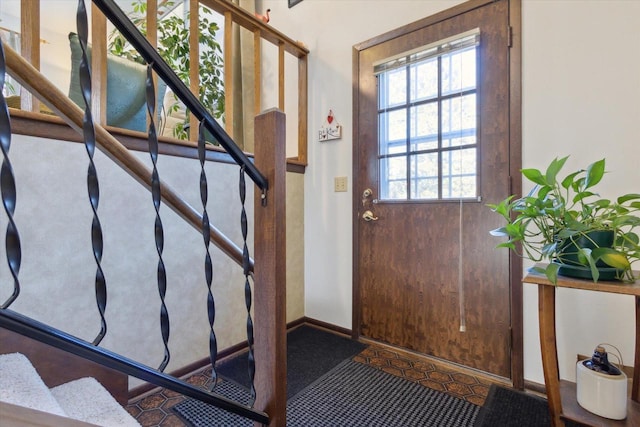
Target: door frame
x,y
515,162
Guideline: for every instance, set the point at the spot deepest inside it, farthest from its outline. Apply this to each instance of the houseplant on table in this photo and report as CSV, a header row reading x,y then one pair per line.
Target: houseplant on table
x,y
563,221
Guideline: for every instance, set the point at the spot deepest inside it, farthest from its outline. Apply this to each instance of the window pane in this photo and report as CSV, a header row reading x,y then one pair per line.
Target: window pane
x,y
392,132
459,121
392,88
393,178
424,176
424,80
424,127
459,173
459,71
428,115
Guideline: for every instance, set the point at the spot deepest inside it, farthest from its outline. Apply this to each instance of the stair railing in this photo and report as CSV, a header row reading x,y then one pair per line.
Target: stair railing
x,y
270,377
142,45
234,16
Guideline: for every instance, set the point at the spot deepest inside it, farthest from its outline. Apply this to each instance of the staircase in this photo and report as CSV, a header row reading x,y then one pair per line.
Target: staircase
x,y
84,399
263,276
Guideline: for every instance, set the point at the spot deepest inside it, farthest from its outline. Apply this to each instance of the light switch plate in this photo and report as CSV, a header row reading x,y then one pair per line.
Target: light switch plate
x,y
340,183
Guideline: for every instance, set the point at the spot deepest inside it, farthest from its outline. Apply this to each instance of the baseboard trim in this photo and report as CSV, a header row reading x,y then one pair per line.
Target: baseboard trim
x,y
148,388
328,326
534,386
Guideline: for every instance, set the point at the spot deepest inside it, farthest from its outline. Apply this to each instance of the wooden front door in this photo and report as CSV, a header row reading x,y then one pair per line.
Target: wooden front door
x,y
431,149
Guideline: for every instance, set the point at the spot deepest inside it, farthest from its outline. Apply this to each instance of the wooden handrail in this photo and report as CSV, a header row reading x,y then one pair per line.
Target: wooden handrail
x,y
52,97
248,21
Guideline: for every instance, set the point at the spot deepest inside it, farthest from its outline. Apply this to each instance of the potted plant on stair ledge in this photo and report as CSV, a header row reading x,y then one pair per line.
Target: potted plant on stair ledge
x,y
567,224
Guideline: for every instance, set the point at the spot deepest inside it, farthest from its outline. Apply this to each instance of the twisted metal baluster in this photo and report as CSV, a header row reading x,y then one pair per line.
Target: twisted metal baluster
x,y
8,189
92,174
159,230
208,266
246,265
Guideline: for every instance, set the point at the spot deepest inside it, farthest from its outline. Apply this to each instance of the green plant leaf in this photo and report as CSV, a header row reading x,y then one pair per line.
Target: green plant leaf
x,y
507,245
554,169
582,195
625,198
602,203
585,258
503,208
595,172
629,241
612,258
552,272
549,249
625,220
499,232
567,182
565,233
584,255
544,190
534,175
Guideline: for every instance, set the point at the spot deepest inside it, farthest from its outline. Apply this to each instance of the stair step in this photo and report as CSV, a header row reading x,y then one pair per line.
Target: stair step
x,y
21,385
87,400
84,399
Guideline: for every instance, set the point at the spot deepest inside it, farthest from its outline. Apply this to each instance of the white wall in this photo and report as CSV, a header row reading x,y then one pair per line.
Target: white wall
x,y
57,273
581,85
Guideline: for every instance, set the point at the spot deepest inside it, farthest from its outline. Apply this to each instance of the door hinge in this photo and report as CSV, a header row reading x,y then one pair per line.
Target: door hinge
x,y
509,36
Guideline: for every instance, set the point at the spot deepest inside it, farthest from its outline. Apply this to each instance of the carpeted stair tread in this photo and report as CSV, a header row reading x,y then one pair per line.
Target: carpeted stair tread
x,y
85,399
21,385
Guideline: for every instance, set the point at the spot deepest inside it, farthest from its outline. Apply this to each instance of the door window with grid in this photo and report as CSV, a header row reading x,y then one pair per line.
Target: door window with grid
x,y
427,121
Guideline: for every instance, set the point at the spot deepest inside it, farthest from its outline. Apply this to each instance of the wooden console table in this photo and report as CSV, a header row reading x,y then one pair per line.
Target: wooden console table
x,y
561,394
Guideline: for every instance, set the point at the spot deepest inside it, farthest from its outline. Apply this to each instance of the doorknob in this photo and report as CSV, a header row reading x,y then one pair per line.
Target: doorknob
x,y
365,195
368,216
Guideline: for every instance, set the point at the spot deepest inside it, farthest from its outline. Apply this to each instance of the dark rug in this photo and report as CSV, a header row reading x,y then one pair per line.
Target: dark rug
x,y
509,407
512,408
352,394
311,352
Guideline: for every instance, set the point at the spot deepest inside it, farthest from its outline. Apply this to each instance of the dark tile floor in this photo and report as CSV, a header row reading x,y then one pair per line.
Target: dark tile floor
x,y
155,409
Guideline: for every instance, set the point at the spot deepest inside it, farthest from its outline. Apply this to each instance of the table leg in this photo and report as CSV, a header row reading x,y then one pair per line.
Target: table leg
x,y
548,347
635,390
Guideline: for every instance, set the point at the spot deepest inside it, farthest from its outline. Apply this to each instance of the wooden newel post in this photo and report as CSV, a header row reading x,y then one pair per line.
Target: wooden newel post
x,y
270,269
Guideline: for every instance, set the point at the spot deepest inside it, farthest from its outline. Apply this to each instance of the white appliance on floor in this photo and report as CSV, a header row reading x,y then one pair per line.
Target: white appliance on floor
x,y
601,387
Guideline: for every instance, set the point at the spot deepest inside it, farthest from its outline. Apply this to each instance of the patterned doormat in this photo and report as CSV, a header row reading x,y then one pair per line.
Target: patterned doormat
x,y
351,394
